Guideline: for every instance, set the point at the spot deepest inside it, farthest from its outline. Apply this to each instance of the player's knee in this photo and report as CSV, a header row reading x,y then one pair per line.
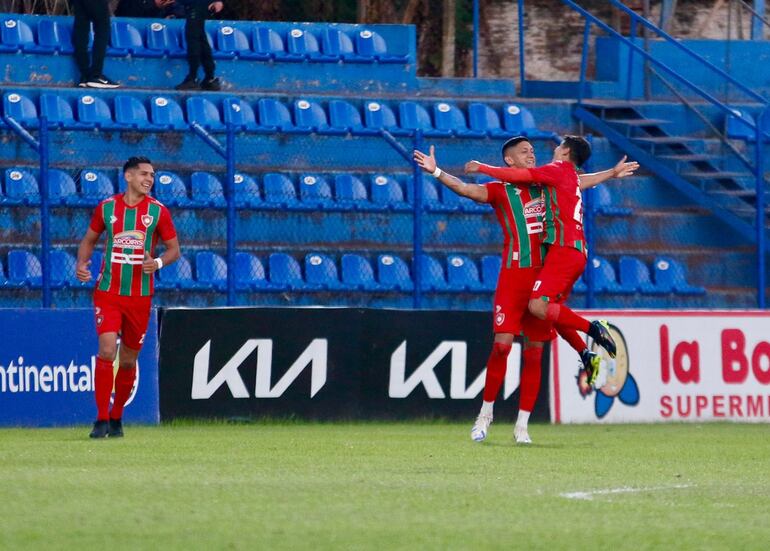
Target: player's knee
x,y
501,349
108,351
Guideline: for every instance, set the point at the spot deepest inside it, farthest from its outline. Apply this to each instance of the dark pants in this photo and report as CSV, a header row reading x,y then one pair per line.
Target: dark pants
x,y
198,48
98,13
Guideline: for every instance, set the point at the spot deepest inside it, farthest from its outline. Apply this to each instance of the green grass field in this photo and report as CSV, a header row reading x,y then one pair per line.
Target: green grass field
x,y
386,486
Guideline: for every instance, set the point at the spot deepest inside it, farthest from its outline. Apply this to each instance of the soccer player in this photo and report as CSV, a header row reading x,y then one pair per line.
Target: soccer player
x,y
134,222
520,214
565,260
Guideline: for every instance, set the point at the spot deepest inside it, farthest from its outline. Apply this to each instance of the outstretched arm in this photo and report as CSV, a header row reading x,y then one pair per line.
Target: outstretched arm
x,y
471,191
620,170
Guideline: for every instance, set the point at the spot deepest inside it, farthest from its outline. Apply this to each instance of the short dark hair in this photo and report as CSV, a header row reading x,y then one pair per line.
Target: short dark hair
x,y
511,142
134,162
579,149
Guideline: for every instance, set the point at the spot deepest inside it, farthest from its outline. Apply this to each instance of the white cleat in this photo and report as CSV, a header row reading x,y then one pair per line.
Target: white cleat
x,y
521,435
481,428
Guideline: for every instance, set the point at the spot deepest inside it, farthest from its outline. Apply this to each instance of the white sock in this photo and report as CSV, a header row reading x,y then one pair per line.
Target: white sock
x,y
486,408
522,419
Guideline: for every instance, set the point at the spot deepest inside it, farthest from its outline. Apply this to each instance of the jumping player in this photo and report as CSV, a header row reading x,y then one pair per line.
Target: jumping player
x,y
134,223
520,214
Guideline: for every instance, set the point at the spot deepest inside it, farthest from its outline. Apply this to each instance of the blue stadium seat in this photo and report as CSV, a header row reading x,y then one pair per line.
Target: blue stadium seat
x,y
16,36
450,118
279,191
414,116
490,270
482,118
670,277
274,116
125,39
321,272
231,42
207,190
250,273
167,113
61,188
58,111
345,117
21,187
519,122
130,112
315,192
432,274
62,269
603,203
246,192
21,108
451,201
604,280
336,45
462,274
178,275
204,112
24,269
387,193
370,45
94,112
378,115
94,187
580,286
285,272
300,45
210,271
430,197
350,192
309,116
358,274
165,39
171,190
635,276
266,44
393,273
240,114
54,36
741,126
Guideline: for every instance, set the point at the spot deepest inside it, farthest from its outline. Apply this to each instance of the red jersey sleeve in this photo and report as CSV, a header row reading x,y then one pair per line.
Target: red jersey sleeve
x,y
166,229
548,175
97,219
507,174
494,191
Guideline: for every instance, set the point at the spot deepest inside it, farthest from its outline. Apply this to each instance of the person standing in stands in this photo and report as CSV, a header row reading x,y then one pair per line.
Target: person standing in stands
x,y
198,47
91,71
146,8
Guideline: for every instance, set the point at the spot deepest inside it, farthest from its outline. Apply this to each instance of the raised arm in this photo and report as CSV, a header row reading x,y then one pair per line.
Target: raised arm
x,y
620,170
471,191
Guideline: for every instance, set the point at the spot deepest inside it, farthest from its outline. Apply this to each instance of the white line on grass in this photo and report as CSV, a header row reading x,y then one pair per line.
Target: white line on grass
x,y
623,490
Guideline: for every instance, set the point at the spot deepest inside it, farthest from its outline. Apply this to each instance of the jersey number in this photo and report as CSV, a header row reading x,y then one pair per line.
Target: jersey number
x,y
579,207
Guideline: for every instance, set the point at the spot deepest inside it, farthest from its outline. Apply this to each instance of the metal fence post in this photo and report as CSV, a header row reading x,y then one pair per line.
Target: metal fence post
x,y
475,38
417,233
45,223
231,213
760,190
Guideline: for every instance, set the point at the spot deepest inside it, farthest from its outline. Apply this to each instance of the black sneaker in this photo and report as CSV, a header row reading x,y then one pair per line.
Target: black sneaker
x,y
116,428
188,84
600,332
101,82
100,429
591,364
212,84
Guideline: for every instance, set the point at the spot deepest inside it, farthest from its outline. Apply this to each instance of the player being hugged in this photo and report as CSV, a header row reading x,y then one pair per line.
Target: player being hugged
x,y
134,223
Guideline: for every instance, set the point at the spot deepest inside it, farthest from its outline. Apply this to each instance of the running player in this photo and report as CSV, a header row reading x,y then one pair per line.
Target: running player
x,y
520,214
134,223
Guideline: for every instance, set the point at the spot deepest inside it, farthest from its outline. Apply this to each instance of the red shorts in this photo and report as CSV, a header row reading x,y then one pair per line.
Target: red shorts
x,y
563,266
126,315
511,311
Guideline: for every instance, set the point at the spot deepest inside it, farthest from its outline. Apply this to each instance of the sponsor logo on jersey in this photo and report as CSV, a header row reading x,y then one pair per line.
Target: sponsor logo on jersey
x,y
535,207
147,220
132,239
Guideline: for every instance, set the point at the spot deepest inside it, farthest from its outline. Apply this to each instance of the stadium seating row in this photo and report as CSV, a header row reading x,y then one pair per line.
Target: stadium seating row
x,y
456,273
236,40
124,111
739,126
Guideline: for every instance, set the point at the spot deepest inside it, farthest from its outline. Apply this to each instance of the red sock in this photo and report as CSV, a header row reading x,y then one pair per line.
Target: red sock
x,y
102,387
496,364
530,378
559,313
572,337
124,382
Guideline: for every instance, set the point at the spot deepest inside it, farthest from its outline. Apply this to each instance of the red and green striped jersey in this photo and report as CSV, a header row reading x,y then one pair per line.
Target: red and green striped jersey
x,y
563,201
519,211
131,231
